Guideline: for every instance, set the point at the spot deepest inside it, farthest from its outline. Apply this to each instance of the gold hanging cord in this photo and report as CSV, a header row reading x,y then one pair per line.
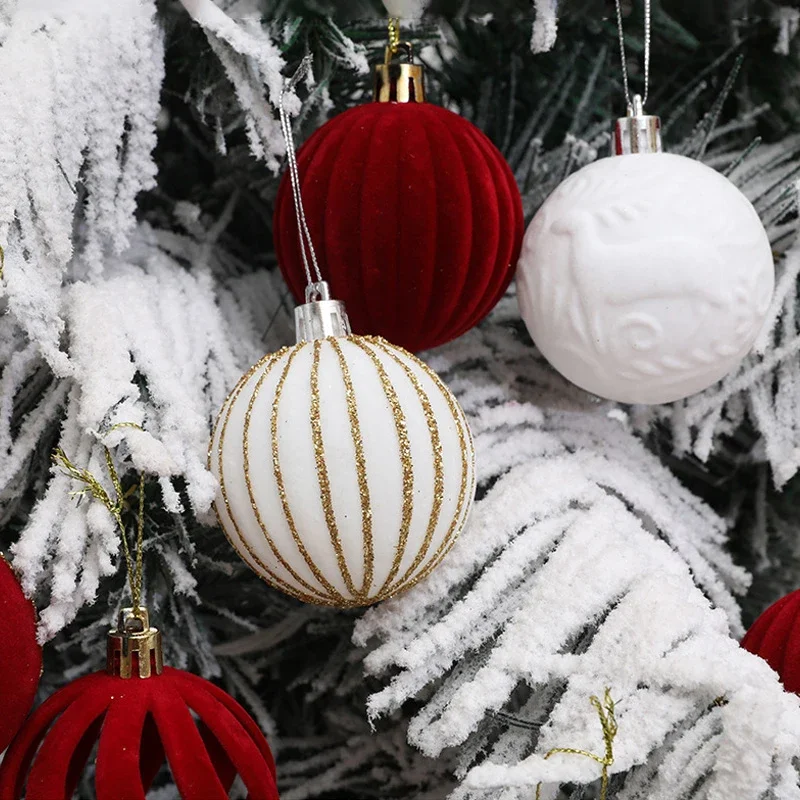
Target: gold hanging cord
x,y
134,645
395,46
115,506
608,722
398,82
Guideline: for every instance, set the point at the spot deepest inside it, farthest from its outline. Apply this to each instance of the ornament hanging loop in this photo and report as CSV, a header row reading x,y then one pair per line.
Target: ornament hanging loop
x,y
638,132
306,245
395,46
624,60
320,316
115,506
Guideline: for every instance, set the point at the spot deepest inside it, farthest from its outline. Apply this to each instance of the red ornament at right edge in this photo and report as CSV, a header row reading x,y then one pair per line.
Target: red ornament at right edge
x,y
775,637
415,215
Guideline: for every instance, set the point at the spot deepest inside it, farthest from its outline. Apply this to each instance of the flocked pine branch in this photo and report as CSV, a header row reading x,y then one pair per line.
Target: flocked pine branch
x,y
570,498
253,64
586,564
79,87
146,323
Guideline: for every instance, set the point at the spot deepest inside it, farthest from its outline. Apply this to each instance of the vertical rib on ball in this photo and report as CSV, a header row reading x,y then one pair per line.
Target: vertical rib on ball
x,y
21,664
775,636
415,216
137,724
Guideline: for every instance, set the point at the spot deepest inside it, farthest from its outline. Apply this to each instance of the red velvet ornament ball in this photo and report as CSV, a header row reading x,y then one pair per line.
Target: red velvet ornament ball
x,y
137,722
21,663
775,636
415,217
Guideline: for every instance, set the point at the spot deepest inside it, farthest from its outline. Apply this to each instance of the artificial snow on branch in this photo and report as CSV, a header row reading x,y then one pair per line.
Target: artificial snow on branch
x,y
787,21
149,345
253,63
545,25
405,9
79,88
571,498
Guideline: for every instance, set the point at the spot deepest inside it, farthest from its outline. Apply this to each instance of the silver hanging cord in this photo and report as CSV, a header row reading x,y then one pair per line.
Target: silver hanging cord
x,y
647,16
306,245
320,316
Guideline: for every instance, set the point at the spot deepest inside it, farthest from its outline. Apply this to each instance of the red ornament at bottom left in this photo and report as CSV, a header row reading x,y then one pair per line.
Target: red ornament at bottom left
x,y
21,664
140,714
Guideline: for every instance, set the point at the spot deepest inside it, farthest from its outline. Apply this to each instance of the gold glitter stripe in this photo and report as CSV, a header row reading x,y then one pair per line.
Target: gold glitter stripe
x,y
463,514
334,595
405,457
322,473
438,465
467,454
292,352
235,393
270,578
466,492
361,470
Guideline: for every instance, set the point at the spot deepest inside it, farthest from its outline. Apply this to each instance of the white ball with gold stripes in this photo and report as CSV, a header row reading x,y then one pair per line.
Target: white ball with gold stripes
x,y
346,470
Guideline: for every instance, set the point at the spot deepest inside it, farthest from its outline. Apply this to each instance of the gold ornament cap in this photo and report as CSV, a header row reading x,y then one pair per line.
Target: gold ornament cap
x,y
134,640
398,82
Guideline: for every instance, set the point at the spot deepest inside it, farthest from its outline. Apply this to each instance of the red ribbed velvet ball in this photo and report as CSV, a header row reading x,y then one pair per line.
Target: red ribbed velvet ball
x,y
415,216
139,722
21,664
775,636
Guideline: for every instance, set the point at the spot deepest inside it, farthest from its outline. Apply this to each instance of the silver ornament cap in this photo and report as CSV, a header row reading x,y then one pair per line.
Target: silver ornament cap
x,y
638,132
320,317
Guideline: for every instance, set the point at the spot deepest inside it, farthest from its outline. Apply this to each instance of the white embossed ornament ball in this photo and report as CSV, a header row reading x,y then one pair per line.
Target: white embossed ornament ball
x,y
645,278
346,470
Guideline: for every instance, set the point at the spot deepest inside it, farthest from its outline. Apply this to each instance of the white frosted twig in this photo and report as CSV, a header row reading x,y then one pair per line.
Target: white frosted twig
x,y
405,9
79,87
252,63
545,25
586,564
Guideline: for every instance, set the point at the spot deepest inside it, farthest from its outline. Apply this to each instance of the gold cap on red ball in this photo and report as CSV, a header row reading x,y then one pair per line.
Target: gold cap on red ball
x,y
134,644
401,82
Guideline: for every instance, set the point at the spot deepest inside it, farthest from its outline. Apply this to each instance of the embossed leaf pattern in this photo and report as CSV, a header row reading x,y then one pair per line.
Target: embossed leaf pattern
x,y
645,263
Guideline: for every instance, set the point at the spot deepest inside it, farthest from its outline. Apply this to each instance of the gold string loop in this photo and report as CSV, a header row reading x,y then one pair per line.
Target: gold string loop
x,y
116,506
608,722
395,45
394,34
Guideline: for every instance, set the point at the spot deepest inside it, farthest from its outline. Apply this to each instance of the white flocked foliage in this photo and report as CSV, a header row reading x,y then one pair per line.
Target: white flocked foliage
x,y
545,25
149,319
252,63
254,66
586,564
572,499
405,9
65,122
